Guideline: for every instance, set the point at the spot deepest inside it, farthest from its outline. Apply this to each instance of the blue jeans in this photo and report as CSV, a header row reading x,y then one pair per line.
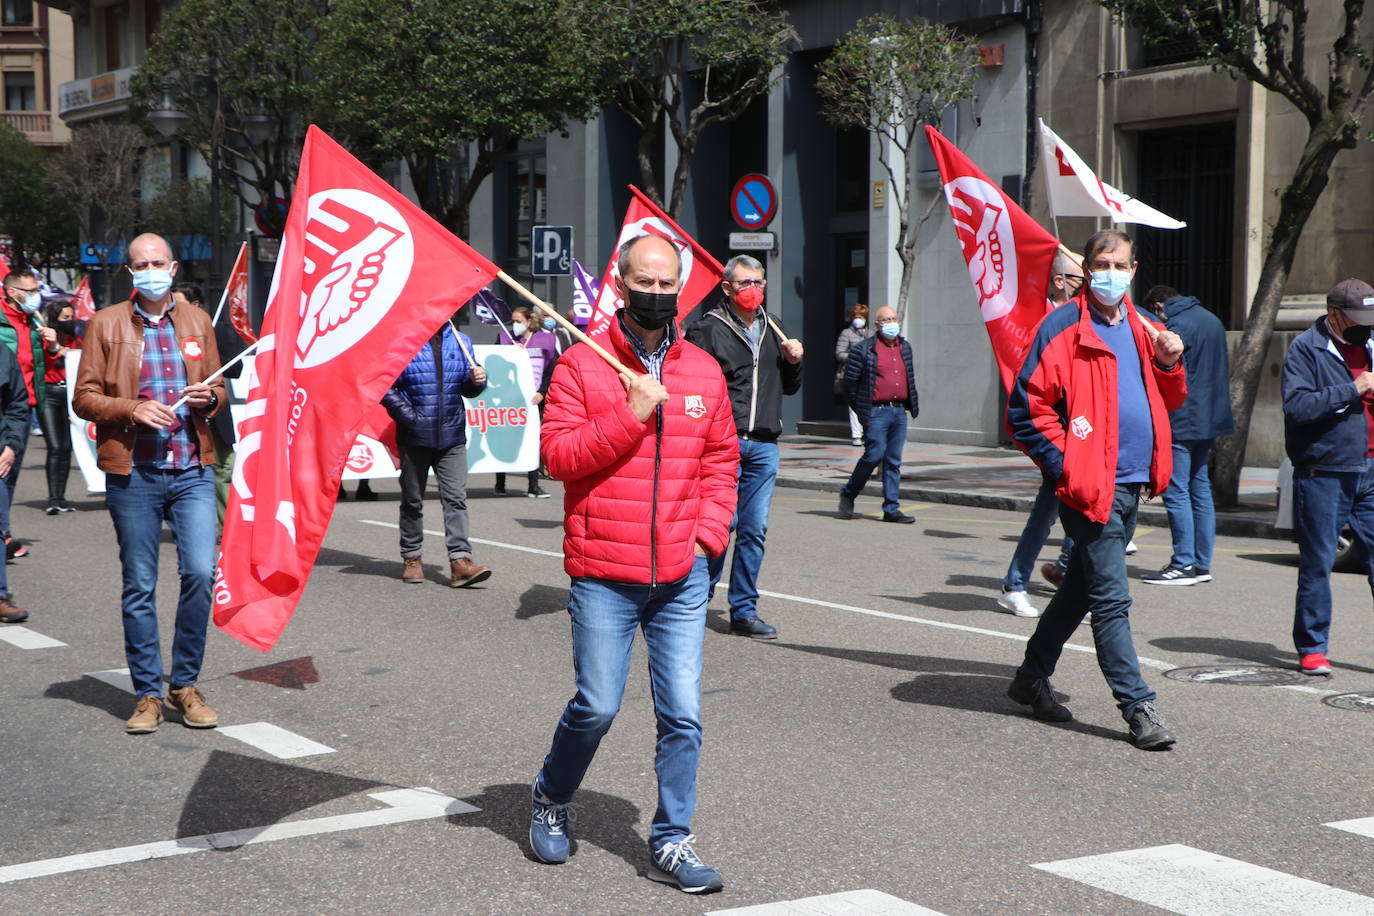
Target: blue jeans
x,y
1033,537
758,471
1192,519
1322,504
1096,584
604,618
883,442
139,503
9,482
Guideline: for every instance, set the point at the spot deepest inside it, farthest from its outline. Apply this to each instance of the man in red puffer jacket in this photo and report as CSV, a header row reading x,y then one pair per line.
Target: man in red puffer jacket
x,y
648,467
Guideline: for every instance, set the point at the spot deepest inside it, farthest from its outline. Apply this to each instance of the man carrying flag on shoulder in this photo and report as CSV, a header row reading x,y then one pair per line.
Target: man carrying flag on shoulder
x,y
648,468
1090,407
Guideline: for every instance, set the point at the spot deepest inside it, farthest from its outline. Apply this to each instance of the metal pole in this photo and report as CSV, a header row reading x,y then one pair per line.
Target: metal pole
x,y
216,276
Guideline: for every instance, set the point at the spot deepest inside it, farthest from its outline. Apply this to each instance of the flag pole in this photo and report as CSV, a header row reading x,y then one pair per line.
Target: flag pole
x,y
616,364
222,369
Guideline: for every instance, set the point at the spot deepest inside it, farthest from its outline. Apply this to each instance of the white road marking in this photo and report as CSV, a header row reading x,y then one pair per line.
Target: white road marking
x,y
274,740
1145,661
24,638
848,903
115,677
1194,882
402,805
1363,826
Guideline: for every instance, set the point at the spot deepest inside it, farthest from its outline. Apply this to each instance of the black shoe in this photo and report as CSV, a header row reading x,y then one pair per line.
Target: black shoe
x,y
366,493
52,509
846,506
898,518
64,506
15,548
753,627
1202,575
1037,693
1172,575
498,491
1148,731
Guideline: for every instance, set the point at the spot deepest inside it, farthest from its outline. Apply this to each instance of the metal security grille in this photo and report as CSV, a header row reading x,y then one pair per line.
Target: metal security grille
x,y
1189,173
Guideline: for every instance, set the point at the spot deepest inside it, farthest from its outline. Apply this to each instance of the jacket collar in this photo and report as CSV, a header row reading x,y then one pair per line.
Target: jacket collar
x,y
1320,327
625,351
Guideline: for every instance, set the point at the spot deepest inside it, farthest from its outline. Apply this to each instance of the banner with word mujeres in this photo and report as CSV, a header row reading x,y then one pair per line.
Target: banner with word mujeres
x,y
503,422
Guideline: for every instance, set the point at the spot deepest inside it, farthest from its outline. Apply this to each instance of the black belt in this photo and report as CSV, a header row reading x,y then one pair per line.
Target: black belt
x,y
901,404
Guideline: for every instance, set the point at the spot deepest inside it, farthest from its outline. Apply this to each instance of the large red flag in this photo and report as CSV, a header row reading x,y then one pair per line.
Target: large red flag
x,y
701,273
1008,255
363,279
84,301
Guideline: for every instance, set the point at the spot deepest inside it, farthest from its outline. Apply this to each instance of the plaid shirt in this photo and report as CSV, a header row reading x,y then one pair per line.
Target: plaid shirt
x,y
162,374
652,361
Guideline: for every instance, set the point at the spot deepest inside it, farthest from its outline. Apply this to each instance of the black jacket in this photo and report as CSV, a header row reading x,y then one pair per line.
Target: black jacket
x,y
14,401
862,370
756,387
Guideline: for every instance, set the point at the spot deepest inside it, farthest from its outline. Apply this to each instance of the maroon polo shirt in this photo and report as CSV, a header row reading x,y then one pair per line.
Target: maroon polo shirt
x,y
889,383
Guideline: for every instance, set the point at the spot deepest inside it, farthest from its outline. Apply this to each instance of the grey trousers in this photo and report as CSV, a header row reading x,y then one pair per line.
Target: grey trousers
x,y
451,470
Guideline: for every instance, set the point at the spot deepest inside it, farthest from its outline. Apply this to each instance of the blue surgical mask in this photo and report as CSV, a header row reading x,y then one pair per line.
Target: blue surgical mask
x,y
549,324
32,303
890,329
153,283
1110,286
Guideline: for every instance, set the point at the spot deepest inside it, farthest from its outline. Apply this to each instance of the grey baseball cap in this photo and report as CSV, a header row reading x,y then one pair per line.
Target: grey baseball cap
x,y
1355,298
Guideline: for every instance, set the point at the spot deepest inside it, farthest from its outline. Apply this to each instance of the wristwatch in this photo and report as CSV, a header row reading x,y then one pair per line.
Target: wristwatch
x,y
214,402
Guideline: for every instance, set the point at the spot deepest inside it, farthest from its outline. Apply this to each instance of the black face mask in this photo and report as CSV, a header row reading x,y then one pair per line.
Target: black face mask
x,y
65,327
1357,334
651,311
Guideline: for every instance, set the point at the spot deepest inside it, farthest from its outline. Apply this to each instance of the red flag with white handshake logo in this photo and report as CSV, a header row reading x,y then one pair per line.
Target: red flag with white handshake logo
x,y
701,273
363,279
1008,255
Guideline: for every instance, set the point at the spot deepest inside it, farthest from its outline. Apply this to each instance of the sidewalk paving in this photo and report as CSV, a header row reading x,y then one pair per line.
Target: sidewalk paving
x,y
992,478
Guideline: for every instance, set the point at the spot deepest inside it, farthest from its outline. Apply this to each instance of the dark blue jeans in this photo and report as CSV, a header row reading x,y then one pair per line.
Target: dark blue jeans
x,y
1192,519
884,440
605,616
758,471
1033,537
139,503
1322,504
10,481
1096,584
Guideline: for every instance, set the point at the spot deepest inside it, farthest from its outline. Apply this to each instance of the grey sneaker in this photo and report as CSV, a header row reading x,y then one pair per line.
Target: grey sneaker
x,y
677,863
1148,731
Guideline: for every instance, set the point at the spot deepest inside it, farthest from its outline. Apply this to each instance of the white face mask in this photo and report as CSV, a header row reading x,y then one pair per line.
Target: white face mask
x,y
859,323
517,328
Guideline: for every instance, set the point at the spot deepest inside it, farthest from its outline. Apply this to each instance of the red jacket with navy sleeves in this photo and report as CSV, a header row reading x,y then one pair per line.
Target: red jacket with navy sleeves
x,y
1062,411
639,495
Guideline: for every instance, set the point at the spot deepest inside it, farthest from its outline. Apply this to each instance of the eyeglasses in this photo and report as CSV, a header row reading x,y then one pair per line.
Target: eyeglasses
x,y
1078,277
748,283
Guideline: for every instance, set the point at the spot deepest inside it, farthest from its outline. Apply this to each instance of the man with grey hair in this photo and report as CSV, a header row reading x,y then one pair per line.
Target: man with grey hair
x,y
760,366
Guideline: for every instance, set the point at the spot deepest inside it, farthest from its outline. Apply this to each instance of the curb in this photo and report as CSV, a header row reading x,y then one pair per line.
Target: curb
x,y
1227,523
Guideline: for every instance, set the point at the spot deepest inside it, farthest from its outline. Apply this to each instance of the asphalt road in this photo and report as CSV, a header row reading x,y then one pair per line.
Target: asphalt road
x,y
870,747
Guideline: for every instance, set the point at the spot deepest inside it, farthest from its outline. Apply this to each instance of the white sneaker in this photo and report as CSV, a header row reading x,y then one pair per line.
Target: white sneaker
x,y
1131,548
1017,603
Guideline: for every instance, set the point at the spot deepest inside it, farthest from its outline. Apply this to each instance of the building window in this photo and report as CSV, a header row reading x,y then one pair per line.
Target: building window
x,y
527,207
17,13
19,91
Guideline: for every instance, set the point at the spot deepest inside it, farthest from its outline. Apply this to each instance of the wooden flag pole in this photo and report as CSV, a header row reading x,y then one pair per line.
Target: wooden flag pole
x,y
577,332
221,370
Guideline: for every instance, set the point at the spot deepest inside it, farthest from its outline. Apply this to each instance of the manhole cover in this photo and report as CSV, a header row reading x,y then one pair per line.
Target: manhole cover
x,y
1363,702
1247,675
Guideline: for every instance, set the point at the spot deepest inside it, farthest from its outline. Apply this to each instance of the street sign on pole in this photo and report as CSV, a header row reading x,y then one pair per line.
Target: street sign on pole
x,y
753,202
551,251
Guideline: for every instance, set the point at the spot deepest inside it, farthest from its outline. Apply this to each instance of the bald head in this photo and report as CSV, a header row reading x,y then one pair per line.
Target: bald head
x,y
650,264
149,247
1066,279
153,267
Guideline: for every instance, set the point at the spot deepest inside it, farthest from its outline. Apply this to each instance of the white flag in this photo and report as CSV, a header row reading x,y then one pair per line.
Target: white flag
x,y
1076,191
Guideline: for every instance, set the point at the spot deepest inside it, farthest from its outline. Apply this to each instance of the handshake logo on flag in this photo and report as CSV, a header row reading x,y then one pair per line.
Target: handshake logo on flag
x,y
358,257
982,223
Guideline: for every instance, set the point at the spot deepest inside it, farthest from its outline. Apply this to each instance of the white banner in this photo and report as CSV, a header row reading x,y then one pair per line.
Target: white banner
x,y
1075,190
503,423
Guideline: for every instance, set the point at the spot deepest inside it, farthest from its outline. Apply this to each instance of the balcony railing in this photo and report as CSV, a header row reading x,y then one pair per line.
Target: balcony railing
x,y
36,125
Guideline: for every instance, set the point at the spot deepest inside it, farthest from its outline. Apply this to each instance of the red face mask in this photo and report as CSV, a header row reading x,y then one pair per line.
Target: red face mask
x,y
749,298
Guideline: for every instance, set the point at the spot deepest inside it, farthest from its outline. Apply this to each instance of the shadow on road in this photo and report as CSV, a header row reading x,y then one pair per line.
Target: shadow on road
x,y
358,564
947,535
1273,559
1241,650
96,694
949,601
541,599
539,523
602,820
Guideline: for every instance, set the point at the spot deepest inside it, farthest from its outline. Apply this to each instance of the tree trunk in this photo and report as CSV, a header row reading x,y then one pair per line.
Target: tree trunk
x,y
647,178
685,150
1296,203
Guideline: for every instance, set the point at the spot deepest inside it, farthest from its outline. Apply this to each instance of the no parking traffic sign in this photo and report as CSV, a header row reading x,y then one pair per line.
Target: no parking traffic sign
x,y
753,201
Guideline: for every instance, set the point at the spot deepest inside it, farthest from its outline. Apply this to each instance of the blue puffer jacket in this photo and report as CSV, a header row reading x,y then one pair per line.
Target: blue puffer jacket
x,y
1206,414
1324,427
426,400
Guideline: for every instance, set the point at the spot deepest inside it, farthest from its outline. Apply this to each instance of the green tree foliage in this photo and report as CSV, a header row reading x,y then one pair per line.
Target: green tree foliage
x,y
890,78
418,80
689,64
32,214
1269,44
99,175
239,69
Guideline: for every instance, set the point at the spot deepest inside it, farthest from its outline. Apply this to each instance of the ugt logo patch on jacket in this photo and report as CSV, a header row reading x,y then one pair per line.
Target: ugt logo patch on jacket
x,y
695,407
1080,427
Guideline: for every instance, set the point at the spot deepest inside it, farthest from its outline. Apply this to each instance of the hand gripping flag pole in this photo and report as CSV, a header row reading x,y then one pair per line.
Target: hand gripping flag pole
x,y
573,329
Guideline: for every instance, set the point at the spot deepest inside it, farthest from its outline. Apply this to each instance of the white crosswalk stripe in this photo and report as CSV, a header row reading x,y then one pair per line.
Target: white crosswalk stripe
x,y
849,903
1194,882
24,638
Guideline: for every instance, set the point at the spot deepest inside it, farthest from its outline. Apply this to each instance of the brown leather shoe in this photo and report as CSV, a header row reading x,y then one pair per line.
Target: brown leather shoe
x,y
464,572
11,614
414,570
147,716
195,712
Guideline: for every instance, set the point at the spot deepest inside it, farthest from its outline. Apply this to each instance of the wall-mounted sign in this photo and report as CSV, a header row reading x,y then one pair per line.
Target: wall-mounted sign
x,y
753,201
879,195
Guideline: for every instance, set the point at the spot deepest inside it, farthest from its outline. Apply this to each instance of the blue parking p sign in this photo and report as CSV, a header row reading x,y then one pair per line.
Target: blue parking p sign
x,y
551,251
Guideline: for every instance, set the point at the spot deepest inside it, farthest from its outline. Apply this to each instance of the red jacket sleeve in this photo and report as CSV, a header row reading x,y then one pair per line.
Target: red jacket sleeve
x,y
719,477
585,431
1173,384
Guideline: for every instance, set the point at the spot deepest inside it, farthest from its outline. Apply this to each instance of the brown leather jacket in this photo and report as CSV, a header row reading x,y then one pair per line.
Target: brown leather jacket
x,y
107,383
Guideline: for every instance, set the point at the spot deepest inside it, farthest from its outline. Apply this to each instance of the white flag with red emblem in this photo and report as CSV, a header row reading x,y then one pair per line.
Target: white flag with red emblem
x,y
364,278
1008,255
701,273
1075,189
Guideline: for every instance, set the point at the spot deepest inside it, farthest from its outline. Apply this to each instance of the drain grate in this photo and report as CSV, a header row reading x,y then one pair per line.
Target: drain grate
x,y
1244,675
1360,702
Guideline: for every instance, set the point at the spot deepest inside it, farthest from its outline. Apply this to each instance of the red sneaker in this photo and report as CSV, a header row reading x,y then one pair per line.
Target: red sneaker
x,y
1315,663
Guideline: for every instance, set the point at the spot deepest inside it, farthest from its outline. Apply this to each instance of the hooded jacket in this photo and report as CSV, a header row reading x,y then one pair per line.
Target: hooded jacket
x,y
638,495
756,384
1062,410
1206,413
